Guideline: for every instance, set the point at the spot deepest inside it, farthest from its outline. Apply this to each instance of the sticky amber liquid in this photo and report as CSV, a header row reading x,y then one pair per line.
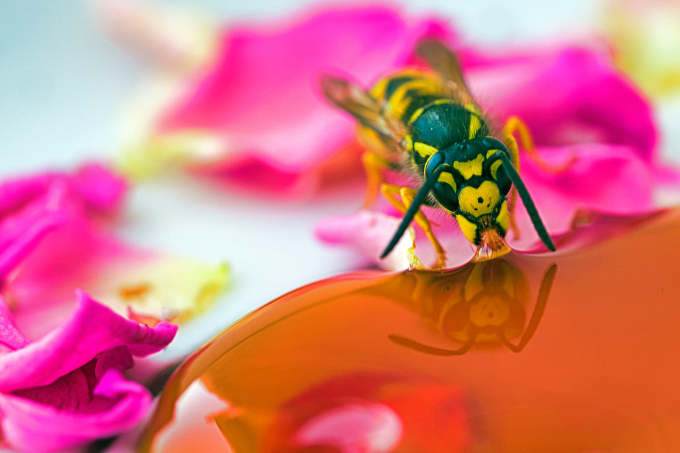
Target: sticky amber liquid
x,y
570,352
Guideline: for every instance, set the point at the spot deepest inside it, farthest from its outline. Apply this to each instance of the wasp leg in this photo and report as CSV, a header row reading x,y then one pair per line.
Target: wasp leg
x,y
539,309
403,341
516,125
374,164
407,195
511,144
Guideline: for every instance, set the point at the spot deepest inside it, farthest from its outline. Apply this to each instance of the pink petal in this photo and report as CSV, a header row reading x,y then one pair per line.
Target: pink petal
x,y
369,427
101,189
567,96
91,329
369,232
31,207
262,93
23,231
611,179
116,405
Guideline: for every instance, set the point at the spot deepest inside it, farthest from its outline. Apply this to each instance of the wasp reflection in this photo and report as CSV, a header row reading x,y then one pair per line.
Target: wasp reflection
x,y
480,304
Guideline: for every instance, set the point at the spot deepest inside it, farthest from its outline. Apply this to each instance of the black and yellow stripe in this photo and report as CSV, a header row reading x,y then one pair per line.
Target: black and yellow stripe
x,y
432,118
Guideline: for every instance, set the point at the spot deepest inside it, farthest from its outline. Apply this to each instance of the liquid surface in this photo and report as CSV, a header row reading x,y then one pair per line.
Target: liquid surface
x,y
575,351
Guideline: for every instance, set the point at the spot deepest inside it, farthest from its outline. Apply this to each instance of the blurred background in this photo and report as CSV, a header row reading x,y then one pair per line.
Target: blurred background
x,y
63,85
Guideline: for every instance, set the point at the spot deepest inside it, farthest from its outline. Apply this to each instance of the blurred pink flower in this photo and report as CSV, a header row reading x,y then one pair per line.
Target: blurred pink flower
x,y
580,110
66,388
54,237
61,358
258,106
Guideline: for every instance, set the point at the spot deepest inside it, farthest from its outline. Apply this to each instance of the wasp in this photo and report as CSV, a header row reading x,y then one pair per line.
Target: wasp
x,y
426,124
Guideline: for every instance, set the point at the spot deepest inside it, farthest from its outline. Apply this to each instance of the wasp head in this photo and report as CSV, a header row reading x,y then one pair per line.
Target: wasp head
x,y
474,190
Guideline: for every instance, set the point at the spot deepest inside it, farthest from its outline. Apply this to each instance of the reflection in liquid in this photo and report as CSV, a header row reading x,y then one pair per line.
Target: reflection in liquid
x,y
599,374
482,303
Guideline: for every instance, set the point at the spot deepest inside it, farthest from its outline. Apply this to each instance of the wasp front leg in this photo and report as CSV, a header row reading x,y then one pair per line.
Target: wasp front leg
x,y
515,125
407,195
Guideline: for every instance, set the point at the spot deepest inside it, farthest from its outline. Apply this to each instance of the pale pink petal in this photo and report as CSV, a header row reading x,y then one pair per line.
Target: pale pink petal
x,y
91,329
370,427
69,415
368,232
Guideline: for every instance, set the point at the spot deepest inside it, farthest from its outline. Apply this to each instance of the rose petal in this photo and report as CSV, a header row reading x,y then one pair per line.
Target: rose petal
x,y
91,329
567,96
262,98
117,405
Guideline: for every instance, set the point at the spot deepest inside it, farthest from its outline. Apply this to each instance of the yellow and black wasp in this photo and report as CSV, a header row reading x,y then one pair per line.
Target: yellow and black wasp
x,y
427,124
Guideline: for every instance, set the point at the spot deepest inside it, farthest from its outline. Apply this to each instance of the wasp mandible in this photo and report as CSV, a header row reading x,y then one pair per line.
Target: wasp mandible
x,y
427,125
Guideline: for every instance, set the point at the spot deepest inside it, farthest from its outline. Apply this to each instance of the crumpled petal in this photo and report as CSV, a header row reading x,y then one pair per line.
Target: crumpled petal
x,y
91,329
261,104
61,359
66,388
34,427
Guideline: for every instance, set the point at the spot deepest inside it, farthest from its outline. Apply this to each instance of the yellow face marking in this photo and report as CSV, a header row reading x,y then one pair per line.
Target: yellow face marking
x,y
491,152
502,217
481,200
470,168
468,228
424,150
475,124
494,168
448,179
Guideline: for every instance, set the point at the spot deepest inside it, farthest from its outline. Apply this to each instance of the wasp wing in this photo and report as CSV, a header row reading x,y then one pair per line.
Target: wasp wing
x,y
445,63
363,107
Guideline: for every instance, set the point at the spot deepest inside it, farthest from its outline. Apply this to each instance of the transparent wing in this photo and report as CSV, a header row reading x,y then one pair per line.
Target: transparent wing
x,y
363,107
446,64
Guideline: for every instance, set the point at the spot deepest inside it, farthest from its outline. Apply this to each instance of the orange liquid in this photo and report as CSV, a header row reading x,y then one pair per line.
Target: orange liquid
x,y
570,352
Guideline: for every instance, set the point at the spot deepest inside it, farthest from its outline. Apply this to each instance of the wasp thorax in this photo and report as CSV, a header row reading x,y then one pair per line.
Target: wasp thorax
x,y
481,200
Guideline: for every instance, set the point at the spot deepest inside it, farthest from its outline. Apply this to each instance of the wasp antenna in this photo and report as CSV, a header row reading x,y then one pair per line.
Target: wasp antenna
x,y
528,202
413,209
